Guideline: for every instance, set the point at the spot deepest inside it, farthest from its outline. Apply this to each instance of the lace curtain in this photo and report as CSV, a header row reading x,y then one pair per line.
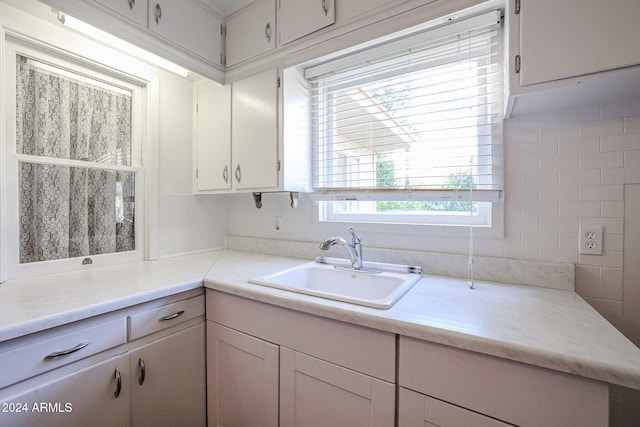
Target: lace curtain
x,y
68,211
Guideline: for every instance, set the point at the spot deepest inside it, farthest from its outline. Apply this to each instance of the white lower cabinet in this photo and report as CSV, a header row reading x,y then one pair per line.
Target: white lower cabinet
x,y
101,372
168,381
417,409
270,366
242,379
315,393
95,396
454,387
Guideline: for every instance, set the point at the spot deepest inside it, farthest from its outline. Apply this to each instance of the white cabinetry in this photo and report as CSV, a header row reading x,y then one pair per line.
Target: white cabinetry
x,y
167,382
96,395
327,372
570,38
569,53
250,32
188,25
317,393
236,143
254,130
89,373
132,10
242,378
183,31
212,142
471,386
297,18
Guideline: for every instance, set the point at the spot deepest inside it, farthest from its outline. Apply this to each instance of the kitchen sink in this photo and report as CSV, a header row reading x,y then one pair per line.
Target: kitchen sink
x,y
377,289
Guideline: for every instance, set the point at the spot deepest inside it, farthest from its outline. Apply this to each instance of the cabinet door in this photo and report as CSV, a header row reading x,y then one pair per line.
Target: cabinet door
x,y
250,32
131,10
213,138
573,38
242,379
298,18
418,410
95,396
255,131
189,25
168,380
317,393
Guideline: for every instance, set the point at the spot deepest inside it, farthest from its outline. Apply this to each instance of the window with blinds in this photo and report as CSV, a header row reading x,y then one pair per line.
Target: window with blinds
x,y
412,126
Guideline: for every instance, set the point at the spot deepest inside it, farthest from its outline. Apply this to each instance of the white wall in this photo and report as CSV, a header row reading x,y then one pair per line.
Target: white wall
x,y
186,222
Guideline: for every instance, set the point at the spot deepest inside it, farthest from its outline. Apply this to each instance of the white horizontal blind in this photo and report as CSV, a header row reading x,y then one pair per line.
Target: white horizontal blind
x,y
422,120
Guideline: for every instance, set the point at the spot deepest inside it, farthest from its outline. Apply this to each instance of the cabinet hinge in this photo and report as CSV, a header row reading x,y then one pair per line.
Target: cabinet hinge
x,y
278,166
517,7
196,173
223,30
517,64
278,82
197,108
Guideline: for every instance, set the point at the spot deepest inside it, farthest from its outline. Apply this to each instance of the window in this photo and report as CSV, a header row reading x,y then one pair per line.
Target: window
x,y
409,131
73,165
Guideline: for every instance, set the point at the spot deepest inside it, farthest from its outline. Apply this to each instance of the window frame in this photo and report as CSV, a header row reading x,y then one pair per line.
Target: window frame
x,y
11,267
490,207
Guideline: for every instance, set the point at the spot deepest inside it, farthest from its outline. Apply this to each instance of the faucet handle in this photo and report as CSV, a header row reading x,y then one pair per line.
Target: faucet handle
x,y
354,237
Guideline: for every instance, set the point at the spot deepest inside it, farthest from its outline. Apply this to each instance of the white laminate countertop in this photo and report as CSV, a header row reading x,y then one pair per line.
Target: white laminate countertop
x,y
550,328
39,303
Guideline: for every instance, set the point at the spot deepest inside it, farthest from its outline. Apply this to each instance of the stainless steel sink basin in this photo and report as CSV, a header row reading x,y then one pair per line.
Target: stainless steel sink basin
x,y
378,290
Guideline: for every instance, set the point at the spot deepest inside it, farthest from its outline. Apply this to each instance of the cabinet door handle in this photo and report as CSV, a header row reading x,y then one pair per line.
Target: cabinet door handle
x,y
143,371
60,353
158,13
131,4
225,174
325,9
267,31
118,377
238,174
171,316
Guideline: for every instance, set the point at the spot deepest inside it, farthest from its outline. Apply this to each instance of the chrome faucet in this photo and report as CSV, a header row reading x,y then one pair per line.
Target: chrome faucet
x,y
354,249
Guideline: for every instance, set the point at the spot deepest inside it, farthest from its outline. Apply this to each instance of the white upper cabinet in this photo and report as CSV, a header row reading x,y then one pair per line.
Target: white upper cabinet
x,y
132,10
187,24
254,129
571,38
250,32
297,18
212,145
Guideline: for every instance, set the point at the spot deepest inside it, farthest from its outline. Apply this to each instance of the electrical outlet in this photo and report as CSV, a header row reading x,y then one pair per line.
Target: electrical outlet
x,y
590,240
277,223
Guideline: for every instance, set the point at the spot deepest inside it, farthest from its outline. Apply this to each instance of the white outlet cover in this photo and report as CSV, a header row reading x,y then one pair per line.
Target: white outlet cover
x,y
590,240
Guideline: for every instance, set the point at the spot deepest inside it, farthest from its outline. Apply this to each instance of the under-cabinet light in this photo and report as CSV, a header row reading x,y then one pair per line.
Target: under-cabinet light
x,y
120,44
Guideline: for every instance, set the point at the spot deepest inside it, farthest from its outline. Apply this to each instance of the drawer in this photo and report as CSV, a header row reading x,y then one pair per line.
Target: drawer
x,y
60,349
157,319
514,392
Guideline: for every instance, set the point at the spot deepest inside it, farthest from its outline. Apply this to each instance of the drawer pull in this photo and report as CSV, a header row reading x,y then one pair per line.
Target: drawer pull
x,y
172,316
143,371
60,353
118,383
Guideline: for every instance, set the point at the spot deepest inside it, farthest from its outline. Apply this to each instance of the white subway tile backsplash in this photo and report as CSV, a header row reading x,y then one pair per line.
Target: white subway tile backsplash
x,y
602,127
601,192
632,167
601,160
580,177
613,209
580,209
612,176
632,124
627,141
578,145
